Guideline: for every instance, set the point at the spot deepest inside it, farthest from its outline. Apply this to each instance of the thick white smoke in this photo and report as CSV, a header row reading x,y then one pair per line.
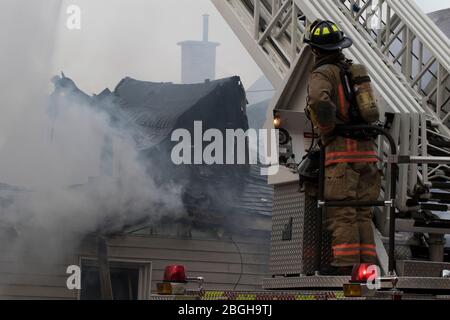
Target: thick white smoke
x,y
57,161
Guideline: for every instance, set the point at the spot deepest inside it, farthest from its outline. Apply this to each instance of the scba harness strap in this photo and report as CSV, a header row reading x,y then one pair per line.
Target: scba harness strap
x,y
345,131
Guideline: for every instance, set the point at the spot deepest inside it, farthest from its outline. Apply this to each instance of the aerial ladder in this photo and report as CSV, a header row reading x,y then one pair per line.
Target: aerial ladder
x,y
408,58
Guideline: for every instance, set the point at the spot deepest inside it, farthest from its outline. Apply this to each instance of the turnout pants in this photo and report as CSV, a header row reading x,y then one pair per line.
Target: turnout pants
x,y
353,238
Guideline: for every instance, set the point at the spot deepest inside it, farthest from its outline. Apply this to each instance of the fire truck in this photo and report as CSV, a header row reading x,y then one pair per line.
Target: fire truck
x,y
408,59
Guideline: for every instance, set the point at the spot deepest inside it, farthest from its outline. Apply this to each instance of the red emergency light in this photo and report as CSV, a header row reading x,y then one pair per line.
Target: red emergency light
x,y
175,274
361,273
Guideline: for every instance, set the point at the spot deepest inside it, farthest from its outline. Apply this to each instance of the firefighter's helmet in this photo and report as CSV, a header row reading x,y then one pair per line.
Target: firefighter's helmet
x,y
327,36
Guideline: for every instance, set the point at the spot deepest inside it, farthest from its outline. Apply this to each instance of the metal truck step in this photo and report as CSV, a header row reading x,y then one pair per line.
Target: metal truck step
x,y
421,269
419,283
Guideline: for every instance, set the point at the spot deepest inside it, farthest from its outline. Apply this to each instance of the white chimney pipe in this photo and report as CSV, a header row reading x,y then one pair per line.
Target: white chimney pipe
x,y
206,27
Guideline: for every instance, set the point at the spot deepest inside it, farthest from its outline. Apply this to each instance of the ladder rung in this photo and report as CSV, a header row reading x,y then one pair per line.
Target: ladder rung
x,y
441,185
434,207
440,196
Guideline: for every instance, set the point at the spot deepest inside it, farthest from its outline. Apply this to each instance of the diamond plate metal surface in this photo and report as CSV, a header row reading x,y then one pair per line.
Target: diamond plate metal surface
x,y
305,282
155,297
416,283
421,269
295,233
402,252
286,256
326,282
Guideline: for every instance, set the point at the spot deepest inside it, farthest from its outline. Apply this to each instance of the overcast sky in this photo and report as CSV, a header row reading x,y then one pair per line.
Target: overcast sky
x,y
138,38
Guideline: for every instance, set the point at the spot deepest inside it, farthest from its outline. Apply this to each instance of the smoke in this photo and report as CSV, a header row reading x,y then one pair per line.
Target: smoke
x,y
57,157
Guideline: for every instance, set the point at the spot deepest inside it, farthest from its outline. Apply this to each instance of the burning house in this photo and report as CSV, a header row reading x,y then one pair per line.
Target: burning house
x,y
220,230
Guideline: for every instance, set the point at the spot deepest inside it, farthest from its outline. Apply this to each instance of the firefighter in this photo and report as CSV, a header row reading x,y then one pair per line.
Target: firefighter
x,y
351,172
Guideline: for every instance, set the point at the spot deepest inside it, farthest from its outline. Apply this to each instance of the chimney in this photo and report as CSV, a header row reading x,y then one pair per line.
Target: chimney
x,y
198,58
206,27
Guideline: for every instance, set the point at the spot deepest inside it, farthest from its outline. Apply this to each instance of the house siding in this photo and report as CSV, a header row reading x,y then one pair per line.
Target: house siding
x,y
223,266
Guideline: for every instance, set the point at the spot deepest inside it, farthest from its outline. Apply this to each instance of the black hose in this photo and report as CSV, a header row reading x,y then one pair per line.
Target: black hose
x,y
313,140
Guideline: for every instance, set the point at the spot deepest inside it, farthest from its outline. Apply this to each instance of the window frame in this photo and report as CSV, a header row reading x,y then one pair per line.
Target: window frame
x,y
145,273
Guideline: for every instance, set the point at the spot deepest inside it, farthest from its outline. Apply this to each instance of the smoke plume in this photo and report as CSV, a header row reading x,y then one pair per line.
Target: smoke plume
x,y
54,157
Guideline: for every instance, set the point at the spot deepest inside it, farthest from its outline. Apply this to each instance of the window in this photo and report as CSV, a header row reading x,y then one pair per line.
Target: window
x,y
129,280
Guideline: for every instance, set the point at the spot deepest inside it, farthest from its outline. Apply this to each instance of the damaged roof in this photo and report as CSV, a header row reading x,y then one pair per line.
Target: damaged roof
x,y
158,107
152,111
